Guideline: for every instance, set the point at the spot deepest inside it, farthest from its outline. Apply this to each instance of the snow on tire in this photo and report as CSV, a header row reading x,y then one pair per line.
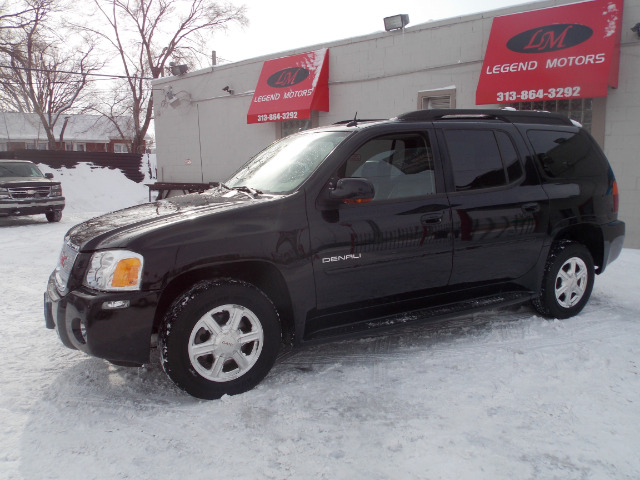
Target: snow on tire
x,y
219,337
568,281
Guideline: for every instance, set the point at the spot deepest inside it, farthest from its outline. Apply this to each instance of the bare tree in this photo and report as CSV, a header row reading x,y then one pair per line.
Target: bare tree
x,y
145,35
39,77
14,16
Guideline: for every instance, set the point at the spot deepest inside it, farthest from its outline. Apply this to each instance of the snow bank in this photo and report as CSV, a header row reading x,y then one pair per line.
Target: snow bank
x,y
96,189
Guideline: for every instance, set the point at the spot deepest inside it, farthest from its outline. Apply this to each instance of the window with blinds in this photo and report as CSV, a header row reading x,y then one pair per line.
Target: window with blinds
x,y
437,99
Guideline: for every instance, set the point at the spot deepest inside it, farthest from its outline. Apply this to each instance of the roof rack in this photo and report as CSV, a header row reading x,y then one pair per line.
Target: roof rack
x,y
359,120
511,116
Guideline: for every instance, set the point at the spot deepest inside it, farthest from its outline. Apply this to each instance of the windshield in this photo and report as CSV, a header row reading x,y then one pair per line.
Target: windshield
x,y
285,164
19,169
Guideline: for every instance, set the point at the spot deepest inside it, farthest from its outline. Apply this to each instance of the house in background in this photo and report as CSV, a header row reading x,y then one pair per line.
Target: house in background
x,y
82,133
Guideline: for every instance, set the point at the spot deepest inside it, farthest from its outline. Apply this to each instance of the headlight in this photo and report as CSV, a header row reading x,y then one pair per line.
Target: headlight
x,y
56,191
114,270
4,193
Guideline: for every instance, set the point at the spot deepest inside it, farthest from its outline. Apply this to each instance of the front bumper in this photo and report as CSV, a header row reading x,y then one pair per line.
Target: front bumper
x,y
30,206
98,324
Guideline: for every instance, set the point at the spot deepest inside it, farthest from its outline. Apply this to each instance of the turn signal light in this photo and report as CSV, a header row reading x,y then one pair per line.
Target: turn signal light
x,y
353,201
127,273
616,197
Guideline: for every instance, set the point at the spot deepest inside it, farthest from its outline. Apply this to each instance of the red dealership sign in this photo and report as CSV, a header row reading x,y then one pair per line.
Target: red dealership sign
x,y
572,51
290,87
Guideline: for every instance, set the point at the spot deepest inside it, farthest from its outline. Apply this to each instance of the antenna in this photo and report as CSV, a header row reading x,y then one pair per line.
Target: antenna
x,y
354,122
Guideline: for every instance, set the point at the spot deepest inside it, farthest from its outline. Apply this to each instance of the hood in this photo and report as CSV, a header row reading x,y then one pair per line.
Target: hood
x,y
116,228
25,182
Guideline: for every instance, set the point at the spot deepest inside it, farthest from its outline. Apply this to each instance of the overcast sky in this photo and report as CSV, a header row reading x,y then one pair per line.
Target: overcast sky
x,y
277,26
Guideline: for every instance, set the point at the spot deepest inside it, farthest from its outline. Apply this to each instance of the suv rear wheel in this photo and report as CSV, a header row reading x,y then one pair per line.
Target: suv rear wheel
x,y
568,281
219,337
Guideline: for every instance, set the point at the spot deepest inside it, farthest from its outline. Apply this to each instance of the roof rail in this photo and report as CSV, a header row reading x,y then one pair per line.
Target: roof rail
x,y
511,116
359,120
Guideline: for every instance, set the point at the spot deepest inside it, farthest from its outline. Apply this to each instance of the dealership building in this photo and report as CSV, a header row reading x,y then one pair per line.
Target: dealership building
x,y
578,58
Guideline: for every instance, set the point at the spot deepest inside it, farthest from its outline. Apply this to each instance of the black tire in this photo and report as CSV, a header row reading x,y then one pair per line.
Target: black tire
x,y
208,357
54,216
567,282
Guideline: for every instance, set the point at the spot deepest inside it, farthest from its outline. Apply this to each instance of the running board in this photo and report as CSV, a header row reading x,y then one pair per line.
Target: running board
x,y
440,312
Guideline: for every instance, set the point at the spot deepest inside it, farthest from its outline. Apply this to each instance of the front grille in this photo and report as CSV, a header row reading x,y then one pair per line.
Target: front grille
x,y
20,193
65,264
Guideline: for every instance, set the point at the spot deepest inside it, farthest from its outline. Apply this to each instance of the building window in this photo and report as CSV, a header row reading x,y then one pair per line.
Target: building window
x,y
288,127
68,146
43,145
436,99
3,147
120,148
80,147
580,109
30,145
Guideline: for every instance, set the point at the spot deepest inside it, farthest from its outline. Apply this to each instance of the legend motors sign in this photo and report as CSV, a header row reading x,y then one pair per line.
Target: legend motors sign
x,y
290,87
566,52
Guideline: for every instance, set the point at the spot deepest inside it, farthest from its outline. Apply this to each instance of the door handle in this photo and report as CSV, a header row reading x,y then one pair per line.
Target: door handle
x,y
431,218
531,207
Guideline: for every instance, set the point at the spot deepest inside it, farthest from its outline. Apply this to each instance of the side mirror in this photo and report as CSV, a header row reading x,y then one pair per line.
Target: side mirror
x,y
352,190
49,175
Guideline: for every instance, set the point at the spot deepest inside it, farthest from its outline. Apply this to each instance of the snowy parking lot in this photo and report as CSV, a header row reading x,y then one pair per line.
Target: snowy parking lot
x,y
498,395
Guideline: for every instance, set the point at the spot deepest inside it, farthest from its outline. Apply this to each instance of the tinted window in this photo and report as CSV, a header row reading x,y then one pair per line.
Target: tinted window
x,y
398,166
510,156
475,159
567,154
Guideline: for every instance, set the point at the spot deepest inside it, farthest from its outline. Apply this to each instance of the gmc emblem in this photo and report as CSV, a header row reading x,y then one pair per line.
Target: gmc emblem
x,y
550,38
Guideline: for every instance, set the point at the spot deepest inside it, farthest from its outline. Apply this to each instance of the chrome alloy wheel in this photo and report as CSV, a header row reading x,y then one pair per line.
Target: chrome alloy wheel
x,y
571,282
225,343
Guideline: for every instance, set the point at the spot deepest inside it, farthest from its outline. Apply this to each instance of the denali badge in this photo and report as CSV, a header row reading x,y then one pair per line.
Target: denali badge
x,y
340,258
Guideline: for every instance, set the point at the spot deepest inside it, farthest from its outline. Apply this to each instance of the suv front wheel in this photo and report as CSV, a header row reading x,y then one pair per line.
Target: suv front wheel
x,y
54,216
219,337
567,282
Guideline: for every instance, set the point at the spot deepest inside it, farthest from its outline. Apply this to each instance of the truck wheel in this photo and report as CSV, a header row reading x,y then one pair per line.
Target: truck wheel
x,y
54,216
219,337
567,282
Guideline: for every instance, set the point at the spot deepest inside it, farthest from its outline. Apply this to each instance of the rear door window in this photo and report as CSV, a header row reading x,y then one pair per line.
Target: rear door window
x,y
482,158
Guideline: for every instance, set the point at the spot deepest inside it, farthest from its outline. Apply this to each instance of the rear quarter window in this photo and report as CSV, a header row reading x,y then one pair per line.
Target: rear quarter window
x,y
562,154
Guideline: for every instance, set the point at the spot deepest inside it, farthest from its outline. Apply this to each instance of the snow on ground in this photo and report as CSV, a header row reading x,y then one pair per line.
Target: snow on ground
x,y
497,395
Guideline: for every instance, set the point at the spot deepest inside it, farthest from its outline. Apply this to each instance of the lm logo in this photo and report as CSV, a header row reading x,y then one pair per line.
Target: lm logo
x,y
288,77
550,38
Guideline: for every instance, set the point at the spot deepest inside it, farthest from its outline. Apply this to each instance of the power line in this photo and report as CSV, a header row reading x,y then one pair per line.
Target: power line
x,y
76,73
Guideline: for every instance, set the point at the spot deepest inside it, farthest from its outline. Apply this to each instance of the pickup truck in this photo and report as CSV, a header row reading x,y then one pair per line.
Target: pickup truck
x,y
25,190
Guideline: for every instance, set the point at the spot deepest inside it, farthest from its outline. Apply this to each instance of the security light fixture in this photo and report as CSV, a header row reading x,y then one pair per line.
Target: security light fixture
x,y
397,22
228,89
177,69
172,97
636,28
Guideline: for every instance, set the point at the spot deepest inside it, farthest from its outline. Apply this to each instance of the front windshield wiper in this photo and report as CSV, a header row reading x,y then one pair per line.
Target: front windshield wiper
x,y
252,192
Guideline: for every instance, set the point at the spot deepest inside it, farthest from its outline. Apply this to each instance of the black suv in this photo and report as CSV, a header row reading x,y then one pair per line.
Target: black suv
x,y
24,190
337,231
